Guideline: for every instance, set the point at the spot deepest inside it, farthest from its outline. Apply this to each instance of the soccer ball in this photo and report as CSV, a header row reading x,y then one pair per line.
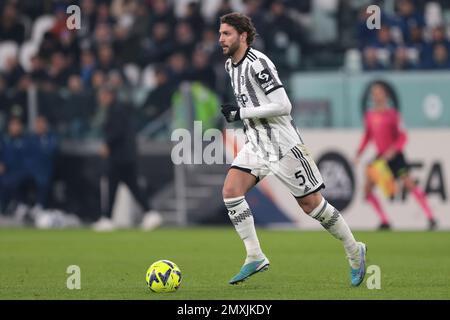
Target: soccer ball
x,y
163,276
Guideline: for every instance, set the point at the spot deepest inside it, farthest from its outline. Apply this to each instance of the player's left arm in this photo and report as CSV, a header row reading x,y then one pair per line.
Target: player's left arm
x,y
266,77
279,105
400,142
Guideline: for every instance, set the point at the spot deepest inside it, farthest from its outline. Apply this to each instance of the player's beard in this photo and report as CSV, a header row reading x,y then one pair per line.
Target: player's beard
x,y
233,48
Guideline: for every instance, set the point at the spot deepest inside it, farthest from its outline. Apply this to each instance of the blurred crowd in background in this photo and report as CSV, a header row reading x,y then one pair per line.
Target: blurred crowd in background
x,y
143,50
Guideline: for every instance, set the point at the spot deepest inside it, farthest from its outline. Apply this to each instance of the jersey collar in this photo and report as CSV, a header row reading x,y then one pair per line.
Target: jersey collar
x,y
242,60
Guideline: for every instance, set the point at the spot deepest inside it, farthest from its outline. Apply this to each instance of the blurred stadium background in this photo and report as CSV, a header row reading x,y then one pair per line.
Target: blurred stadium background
x,y
163,60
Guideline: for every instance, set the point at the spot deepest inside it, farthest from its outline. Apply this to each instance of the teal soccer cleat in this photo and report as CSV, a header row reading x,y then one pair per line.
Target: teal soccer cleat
x,y
357,275
250,269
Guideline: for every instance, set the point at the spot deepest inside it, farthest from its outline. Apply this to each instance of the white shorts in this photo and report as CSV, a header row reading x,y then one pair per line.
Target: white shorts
x,y
296,170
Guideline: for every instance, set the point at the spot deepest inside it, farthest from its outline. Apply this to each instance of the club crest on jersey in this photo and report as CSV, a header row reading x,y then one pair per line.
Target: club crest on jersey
x,y
264,78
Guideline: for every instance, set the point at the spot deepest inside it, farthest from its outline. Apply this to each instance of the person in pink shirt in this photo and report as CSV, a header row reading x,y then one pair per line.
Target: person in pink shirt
x,y
383,127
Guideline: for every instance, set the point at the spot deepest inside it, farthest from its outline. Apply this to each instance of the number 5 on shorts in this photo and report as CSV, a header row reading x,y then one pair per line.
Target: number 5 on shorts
x,y
299,175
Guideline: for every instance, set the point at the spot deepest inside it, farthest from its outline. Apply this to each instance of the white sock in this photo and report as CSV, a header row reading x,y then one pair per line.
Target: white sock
x,y
242,219
330,218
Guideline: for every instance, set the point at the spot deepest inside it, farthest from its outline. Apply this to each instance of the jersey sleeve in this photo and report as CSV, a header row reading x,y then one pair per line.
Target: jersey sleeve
x,y
401,139
366,137
265,75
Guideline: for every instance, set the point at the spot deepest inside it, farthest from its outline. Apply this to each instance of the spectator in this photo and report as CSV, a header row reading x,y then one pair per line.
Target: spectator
x,y
201,69
49,45
159,99
408,18
98,79
49,99
177,66
87,67
37,70
365,36
10,26
281,31
59,26
13,72
161,11
402,60
88,18
194,18
119,150
58,71
41,150
106,61
70,47
103,35
416,43
103,15
19,99
78,108
224,8
437,37
13,172
371,61
5,102
440,60
126,44
380,54
141,24
159,45
210,44
254,10
184,39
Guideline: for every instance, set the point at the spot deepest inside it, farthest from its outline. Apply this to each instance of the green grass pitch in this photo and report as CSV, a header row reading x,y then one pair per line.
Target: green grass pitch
x,y
304,265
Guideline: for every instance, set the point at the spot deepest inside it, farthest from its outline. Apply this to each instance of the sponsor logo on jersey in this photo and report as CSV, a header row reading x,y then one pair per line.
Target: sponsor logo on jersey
x,y
264,78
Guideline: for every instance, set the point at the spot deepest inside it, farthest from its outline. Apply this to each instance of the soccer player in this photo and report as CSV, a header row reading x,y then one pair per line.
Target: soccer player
x,y
273,146
383,127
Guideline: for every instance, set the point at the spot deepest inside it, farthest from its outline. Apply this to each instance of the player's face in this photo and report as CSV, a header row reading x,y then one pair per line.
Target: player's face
x,y
378,95
229,39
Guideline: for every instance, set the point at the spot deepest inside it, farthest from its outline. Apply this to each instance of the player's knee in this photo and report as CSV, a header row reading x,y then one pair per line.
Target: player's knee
x,y
310,202
231,192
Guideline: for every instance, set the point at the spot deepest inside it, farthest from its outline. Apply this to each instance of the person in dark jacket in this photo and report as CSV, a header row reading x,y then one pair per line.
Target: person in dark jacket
x,y
120,151
42,146
13,172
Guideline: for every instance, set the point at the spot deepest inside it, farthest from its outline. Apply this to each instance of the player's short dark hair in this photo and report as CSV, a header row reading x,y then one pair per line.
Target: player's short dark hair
x,y
241,23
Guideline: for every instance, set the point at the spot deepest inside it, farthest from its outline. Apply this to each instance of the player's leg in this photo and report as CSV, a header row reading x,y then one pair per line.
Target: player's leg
x,y
421,199
130,178
331,220
236,185
105,222
150,219
241,177
399,168
372,199
300,174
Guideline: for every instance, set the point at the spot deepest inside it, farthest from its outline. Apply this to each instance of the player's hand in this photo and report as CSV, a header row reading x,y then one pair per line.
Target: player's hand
x,y
356,161
231,112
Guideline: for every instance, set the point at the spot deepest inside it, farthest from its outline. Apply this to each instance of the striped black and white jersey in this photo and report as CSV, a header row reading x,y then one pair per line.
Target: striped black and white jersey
x,y
252,79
